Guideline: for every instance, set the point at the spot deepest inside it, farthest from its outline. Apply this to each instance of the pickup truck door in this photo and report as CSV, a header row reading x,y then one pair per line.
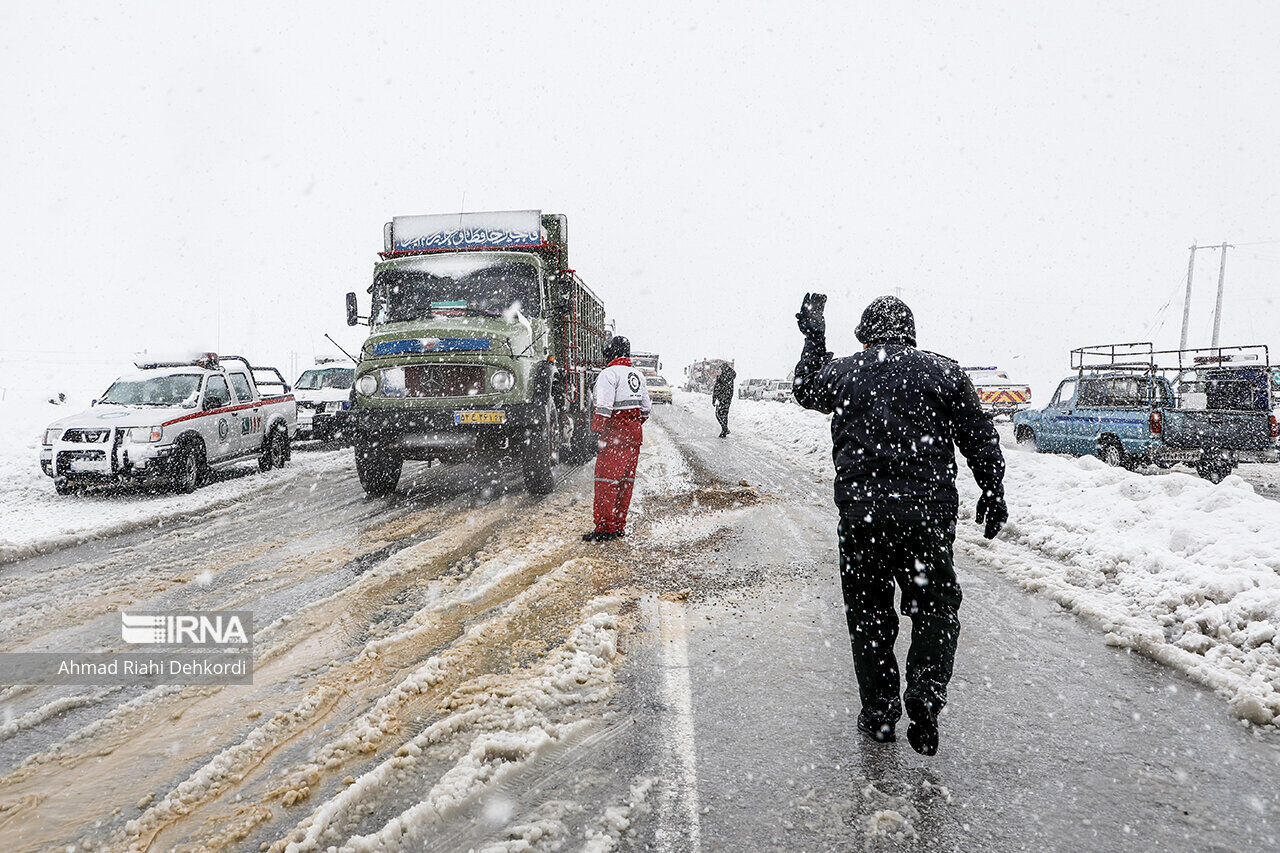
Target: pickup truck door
x,y
248,421
1086,418
1055,419
219,430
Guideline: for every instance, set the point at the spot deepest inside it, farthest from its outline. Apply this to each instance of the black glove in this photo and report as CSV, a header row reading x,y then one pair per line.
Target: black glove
x,y
810,320
992,509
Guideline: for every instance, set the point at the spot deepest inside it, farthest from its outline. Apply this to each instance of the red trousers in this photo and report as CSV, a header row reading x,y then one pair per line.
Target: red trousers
x,y
616,471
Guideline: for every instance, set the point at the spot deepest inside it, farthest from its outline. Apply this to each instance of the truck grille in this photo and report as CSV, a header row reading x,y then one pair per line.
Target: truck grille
x,y
63,467
87,436
444,380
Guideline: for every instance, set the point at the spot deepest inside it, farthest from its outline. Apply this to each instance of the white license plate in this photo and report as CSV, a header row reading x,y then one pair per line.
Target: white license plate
x,y
84,466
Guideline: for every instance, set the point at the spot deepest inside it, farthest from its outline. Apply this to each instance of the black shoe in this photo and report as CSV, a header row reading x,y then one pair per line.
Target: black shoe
x,y
724,434
878,730
593,536
609,537
922,733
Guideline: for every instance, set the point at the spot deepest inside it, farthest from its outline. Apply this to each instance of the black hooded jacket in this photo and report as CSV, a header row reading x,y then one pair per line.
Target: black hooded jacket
x,y
722,391
899,413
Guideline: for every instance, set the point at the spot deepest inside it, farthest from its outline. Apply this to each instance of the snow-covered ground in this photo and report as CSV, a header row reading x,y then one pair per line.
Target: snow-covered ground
x,y
34,519
1173,566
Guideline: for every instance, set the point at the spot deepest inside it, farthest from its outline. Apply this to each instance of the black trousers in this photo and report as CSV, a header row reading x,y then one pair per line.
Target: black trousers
x,y
722,415
915,554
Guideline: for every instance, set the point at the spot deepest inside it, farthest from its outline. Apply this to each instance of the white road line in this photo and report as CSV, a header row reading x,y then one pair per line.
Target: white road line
x,y
679,829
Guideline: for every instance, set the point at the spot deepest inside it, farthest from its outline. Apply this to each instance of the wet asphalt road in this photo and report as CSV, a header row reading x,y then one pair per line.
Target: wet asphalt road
x,y
1052,739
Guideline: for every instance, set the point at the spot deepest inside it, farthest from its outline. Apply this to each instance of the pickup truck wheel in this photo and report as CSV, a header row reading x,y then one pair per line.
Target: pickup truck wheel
x,y
379,470
1112,454
275,450
65,488
184,477
1026,437
538,455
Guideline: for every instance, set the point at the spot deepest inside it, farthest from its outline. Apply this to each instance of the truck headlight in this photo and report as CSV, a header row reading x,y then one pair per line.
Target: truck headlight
x,y
393,382
502,380
367,385
145,435
51,435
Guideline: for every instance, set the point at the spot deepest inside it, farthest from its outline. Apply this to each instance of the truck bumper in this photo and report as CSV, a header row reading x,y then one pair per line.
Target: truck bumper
x,y
1191,455
435,433
104,463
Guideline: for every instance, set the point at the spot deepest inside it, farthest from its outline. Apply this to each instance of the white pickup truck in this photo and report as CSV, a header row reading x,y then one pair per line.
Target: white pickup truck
x,y
172,422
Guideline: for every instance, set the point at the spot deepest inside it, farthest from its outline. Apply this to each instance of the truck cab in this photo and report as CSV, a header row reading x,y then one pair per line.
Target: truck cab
x,y
483,346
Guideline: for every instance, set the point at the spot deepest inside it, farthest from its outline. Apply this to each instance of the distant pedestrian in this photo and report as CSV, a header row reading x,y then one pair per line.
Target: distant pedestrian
x,y
722,397
898,414
622,405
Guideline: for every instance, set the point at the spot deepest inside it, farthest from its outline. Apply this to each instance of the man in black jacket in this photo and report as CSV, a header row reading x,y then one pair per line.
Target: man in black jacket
x,y
899,412
722,397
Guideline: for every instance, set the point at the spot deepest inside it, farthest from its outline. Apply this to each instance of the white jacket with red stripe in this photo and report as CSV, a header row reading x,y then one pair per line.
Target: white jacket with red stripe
x,y
620,388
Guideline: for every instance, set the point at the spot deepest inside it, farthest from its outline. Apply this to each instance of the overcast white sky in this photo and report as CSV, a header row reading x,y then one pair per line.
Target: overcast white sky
x,y
205,175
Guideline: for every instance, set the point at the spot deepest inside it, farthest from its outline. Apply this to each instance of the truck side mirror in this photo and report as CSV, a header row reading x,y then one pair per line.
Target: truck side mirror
x,y
353,314
566,298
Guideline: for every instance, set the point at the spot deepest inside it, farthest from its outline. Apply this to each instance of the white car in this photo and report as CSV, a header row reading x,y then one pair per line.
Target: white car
x,y
173,421
323,394
780,391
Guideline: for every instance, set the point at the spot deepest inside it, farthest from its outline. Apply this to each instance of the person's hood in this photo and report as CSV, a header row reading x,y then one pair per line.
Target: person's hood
x,y
887,319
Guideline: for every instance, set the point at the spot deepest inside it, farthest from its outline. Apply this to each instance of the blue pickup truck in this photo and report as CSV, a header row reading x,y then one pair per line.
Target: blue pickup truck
x,y
1130,405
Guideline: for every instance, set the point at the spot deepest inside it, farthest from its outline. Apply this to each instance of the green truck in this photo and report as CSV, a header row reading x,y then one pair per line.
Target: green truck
x,y
484,346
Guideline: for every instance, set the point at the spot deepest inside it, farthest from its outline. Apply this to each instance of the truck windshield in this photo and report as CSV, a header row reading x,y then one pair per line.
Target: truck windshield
x,y
179,389
455,285
313,380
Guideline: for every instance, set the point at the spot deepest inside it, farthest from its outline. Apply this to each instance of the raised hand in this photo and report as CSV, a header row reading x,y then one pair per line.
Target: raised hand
x,y
810,320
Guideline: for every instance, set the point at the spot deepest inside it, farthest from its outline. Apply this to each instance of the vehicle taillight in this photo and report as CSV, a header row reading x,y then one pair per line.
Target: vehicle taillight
x,y
1275,427
1157,423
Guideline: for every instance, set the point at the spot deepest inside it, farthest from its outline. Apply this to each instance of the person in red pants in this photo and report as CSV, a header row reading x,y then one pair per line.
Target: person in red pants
x,y
622,405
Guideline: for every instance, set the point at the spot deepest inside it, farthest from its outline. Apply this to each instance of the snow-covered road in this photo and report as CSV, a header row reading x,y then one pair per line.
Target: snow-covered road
x,y
450,671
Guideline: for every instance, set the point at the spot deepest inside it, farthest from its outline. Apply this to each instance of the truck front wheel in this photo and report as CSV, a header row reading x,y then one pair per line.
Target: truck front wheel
x,y
184,476
378,469
538,455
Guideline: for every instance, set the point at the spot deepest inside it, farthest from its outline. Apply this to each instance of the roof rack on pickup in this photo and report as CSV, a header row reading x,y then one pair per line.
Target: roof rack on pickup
x,y
268,376
1142,356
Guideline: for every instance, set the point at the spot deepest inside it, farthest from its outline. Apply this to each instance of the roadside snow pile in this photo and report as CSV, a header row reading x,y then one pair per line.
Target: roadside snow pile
x,y
1172,566
34,519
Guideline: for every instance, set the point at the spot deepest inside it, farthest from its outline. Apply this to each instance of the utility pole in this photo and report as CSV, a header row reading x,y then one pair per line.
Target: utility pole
x,y
1186,306
1217,311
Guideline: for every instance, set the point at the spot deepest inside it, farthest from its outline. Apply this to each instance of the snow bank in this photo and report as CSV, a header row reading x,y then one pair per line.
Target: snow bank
x,y
1173,566
33,519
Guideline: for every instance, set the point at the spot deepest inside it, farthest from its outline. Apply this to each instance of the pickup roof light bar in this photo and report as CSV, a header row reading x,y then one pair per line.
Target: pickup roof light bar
x,y
207,360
